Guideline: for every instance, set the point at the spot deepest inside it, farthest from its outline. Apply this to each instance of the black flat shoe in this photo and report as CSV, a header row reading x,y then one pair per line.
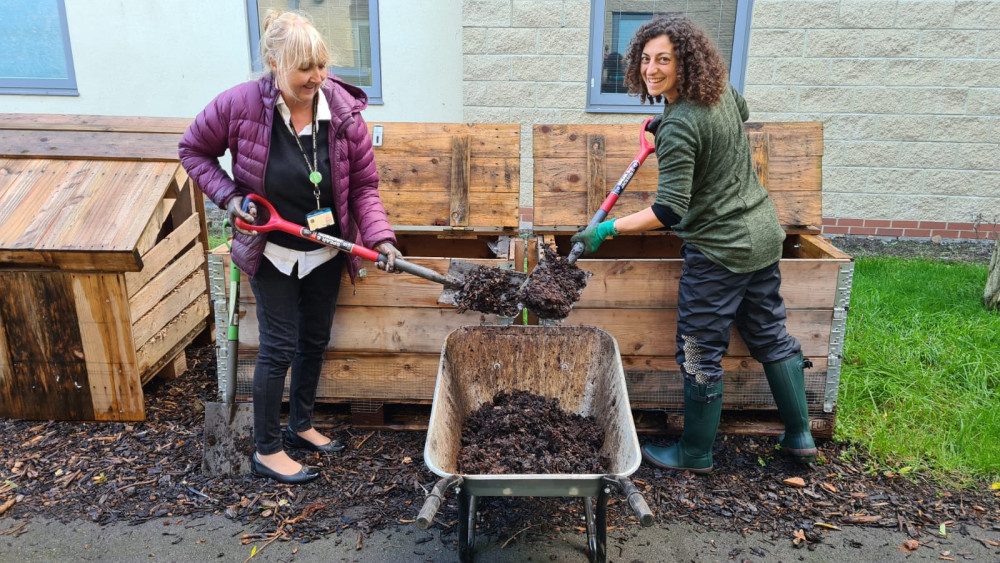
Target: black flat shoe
x,y
304,475
293,440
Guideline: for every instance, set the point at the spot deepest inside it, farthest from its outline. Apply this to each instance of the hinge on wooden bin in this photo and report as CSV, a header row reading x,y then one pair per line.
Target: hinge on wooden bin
x,y
833,363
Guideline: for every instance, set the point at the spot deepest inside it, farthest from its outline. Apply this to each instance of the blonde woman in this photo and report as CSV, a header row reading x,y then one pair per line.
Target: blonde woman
x,y
297,138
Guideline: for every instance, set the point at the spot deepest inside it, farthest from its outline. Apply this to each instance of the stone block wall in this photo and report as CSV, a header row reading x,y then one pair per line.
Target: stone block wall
x,y
908,91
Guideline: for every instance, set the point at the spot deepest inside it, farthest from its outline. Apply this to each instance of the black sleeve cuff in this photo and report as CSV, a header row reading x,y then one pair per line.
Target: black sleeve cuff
x,y
666,215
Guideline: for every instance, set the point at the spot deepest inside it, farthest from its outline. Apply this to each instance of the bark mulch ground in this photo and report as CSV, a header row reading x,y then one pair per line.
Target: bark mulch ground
x,y
151,470
135,472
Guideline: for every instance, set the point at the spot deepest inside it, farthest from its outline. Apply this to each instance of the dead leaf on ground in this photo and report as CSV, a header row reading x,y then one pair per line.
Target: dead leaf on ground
x,y
794,482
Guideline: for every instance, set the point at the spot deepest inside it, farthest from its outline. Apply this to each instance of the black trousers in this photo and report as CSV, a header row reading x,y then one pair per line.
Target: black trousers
x,y
294,319
711,299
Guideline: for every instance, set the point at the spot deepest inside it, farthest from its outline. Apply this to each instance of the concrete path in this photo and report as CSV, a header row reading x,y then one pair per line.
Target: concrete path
x,y
215,538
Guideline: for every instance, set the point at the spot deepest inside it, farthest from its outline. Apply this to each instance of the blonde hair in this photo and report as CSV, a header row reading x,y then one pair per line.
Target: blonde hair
x,y
290,41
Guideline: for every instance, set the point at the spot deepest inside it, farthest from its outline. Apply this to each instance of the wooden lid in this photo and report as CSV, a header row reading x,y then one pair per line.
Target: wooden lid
x,y
78,192
576,166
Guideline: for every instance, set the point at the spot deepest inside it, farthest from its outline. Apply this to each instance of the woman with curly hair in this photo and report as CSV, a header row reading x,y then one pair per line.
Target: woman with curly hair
x,y
709,195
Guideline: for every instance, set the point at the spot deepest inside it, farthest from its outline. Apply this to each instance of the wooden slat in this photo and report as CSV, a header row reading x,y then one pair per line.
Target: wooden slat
x,y
596,181
487,140
432,207
817,246
151,233
168,307
164,282
126,124
633,331
433,174
89,145
806,283
758,151
384,329
172,337
165,251
115,389
458,188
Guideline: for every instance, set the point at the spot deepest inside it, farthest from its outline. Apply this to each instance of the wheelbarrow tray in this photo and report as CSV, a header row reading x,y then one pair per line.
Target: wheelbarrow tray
x,y
581,366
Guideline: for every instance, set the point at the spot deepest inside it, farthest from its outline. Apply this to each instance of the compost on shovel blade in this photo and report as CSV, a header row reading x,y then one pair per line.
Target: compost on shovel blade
x,y
554,286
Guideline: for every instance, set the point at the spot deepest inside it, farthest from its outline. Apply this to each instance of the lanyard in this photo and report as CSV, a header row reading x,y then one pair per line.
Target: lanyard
x,y
314,174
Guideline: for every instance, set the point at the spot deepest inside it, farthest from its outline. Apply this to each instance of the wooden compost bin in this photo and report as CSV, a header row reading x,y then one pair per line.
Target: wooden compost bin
x,y
633,292
102,264
450,191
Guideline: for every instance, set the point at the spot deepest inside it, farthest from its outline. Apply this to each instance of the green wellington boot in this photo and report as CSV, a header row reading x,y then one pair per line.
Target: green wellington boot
x,y
693,452
788,385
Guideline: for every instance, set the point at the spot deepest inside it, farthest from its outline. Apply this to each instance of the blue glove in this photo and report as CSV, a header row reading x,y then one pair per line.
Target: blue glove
x,y
593,237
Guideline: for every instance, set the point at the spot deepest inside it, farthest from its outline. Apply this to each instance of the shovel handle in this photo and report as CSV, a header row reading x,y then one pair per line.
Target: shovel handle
x,y
636,501
645,149
276,223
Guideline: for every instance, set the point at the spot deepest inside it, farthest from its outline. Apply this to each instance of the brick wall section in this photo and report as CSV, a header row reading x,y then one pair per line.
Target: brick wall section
x,y
909,94
911,229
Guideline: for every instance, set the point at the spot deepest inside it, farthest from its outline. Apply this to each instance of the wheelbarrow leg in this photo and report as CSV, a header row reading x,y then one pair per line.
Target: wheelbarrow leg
x,y
597,526
466,525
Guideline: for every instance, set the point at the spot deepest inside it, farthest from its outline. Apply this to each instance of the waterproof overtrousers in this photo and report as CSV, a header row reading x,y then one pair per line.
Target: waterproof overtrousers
x,y
788,385
693,452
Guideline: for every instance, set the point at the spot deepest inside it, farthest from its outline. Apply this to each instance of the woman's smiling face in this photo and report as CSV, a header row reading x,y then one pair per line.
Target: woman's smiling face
x,y
659,68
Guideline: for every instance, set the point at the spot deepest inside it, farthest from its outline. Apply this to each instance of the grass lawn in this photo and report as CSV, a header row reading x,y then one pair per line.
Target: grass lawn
x,y
920,386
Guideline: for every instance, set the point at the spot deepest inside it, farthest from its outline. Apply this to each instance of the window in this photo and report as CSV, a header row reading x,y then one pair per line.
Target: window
x,y
34,40
613,22
350,28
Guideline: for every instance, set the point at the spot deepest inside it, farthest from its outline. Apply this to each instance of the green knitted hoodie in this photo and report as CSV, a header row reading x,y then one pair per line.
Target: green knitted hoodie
x,y
706,177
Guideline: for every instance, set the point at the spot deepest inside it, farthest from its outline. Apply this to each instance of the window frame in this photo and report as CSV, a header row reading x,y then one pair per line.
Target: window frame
x,y
598,102
374,91
48,86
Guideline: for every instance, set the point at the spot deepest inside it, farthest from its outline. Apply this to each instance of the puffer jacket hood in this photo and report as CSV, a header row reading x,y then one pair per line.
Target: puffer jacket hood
x,y
241,120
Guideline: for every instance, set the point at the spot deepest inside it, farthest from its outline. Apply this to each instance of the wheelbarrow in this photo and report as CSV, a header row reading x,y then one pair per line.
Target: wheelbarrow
x,y
581,366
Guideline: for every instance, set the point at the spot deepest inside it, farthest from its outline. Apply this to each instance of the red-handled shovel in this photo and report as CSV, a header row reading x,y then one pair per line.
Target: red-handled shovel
x,y
645,149
274,222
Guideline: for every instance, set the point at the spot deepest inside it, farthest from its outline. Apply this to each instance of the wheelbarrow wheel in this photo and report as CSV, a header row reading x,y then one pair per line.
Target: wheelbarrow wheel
x,y
466,526
596,511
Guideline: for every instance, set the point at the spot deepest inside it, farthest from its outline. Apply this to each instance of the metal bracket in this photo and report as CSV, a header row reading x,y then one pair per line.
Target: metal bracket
x,y
845,278
833,363
217,279
376,135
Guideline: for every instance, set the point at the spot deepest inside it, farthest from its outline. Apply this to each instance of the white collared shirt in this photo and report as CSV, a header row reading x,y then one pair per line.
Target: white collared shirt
x,y
285,259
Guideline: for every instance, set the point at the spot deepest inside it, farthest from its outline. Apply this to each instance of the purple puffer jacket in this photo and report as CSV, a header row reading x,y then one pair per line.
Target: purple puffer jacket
x,y
240,119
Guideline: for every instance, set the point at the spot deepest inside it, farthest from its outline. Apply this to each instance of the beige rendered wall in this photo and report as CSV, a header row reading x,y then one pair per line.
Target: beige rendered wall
x,y
908,91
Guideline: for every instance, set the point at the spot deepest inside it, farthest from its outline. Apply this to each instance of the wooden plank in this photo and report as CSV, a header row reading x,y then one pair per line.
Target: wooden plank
x,y
168,307
810,327
164,251
487,140
569,141
164,282
458,188
568,208
817,246
73,261
615,284
110,357
151,233
419,173
821,425
89,145
394,377
174,368
432,207
45,376
383,329
596,186
126,124
186,325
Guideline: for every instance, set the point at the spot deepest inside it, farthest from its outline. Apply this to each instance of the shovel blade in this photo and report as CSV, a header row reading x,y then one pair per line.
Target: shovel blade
x,y
458,270
228,439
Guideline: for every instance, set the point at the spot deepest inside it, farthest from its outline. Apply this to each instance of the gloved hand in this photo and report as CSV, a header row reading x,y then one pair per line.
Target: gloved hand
x,y
391,253
593,237
234,209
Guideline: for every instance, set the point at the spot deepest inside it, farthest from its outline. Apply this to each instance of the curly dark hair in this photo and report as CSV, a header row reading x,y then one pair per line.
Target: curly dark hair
x,y
701,77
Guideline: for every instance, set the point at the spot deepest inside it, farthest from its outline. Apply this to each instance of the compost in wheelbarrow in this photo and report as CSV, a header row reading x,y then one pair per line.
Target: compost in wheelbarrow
x,y
579,366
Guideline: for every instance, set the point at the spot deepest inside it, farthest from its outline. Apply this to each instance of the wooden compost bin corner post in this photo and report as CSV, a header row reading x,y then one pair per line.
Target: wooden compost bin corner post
x,y
102,277
450,190
635,277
